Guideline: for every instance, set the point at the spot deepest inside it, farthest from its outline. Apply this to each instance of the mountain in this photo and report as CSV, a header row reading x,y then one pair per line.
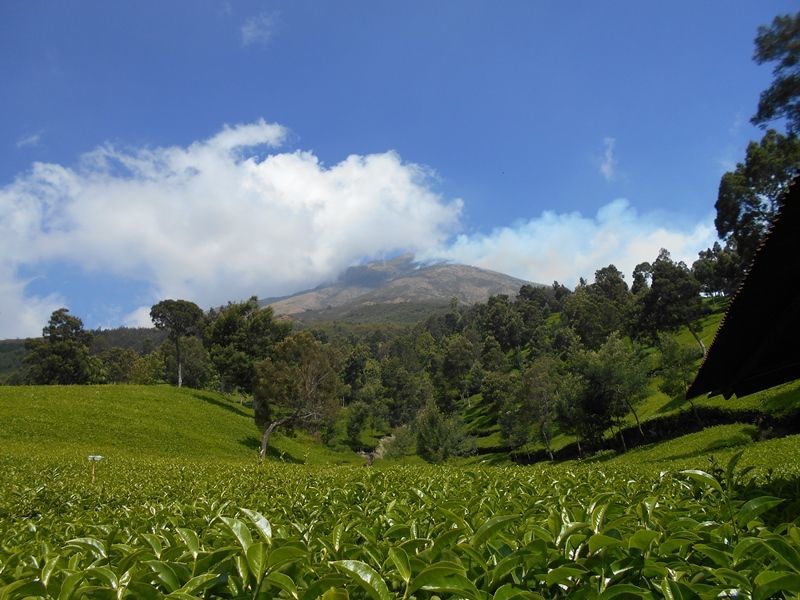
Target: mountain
x,y
400,286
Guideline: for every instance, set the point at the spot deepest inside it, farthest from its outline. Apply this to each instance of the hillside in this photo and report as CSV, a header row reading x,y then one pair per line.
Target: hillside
x,y
136,421
400,286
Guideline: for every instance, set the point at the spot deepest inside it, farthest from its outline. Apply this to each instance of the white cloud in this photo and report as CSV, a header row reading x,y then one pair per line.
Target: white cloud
x,y
566,246
29,141
138,318
258,29
211,222
217,221
22,315
608,168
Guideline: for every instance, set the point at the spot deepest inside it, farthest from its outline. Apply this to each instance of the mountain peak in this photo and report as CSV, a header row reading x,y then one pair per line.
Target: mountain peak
x,y
400,280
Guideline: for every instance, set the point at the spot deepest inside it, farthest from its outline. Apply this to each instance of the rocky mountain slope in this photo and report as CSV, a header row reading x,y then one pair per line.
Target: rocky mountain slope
x,y
397,281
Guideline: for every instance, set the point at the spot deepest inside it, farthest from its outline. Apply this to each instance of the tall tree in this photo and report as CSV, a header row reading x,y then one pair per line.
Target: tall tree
x,y
750,195
717,270
61,356
625,367
196,371
457,361
605,386
503,322
237,336
678,368
298,385
595,311
405,391
179,318
780,43
672,301
531,407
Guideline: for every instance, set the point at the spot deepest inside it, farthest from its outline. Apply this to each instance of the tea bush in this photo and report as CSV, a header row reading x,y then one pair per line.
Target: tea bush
x,y
162,528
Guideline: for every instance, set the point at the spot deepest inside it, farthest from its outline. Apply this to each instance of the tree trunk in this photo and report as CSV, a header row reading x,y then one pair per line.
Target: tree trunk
x,y
622,439
268,432
546,440
178,356
696,415
698,340
635,416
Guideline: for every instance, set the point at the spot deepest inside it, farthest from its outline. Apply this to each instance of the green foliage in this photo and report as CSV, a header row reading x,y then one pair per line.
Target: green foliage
x,y
196,368
148,369
780,43
179,318
439,437
400,444
458,359
357,415
118,364
672,300
750,195
298,385
718,270
678,366
237,336
140,339
604,386
12,353
406,391
61,356
156,528
503,322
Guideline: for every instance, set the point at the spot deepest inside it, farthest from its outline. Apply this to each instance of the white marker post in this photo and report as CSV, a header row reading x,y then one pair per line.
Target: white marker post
x,y
94,459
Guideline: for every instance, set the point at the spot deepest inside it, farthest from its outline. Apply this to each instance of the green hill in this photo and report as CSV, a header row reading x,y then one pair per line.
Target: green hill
x,y
140,421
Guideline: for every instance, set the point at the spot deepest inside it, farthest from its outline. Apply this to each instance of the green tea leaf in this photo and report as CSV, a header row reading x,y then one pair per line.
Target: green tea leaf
x,y
240,531
285,554
703,478
488,529
366,577
443,578
257,555
599,541
22,589
165,574
319,587
509,592
261,524
190,540
199,583
626,590
752,508
770,583
642,539
400,559
282,582
91,545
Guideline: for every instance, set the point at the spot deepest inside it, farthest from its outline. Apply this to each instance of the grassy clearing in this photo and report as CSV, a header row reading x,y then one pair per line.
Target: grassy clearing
x,y
140,421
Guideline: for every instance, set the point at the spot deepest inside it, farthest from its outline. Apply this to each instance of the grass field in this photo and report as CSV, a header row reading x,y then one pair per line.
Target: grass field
x,y
141,421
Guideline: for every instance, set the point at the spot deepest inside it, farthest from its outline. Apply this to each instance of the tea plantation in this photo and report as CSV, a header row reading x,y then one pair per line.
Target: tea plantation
x,y
180,508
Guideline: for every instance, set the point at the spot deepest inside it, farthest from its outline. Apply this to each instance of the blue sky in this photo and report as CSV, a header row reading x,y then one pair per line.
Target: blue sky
x,y
215,150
